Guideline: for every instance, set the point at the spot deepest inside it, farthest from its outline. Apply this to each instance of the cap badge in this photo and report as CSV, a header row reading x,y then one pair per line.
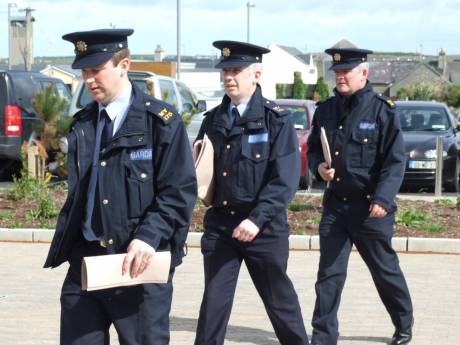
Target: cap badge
x,y
337,57
81,46
226,52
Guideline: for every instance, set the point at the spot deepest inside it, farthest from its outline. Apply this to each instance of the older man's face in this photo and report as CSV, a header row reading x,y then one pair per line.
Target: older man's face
x,y
240,82
348,81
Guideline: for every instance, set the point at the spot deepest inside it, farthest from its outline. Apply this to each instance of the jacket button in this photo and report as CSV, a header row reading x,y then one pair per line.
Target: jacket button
x,y
228,146
368,197
103,163
232,212
105,201
147,104
344,199
365,140
110,241
336,153
224,173
224,202
340,127
140,139
338,179
143,175
257,155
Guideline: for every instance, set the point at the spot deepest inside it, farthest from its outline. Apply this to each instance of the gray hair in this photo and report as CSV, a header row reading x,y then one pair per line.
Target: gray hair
x,y
256,67
363,66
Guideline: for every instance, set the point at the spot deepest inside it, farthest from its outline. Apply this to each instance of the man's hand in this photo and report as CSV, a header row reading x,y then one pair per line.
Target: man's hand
x,y
138,258
377,211
326,173
246,231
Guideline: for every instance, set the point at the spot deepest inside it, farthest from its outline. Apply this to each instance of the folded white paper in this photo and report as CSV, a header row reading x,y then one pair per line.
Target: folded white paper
x,y
326,149
104,271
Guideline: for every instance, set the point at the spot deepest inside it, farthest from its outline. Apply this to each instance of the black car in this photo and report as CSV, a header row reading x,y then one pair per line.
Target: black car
x,y
422,122
17,114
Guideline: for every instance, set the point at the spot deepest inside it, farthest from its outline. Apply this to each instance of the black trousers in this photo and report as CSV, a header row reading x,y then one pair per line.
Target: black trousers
x,y
266,259
342,225
139,313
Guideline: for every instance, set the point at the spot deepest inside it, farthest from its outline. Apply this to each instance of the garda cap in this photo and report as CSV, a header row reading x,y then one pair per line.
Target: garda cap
x,y
95,47
238,54
347,58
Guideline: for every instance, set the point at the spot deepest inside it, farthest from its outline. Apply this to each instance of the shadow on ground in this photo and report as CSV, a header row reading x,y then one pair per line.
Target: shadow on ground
x,y
238,334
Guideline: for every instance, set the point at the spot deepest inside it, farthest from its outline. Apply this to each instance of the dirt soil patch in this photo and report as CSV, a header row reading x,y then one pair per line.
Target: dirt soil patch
x,y
416,218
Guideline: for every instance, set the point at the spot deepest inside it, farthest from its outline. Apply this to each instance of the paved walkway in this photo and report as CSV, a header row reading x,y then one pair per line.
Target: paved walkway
x,y
29,300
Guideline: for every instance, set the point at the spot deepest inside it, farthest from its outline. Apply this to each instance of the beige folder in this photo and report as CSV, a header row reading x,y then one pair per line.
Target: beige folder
x,y
203,154
104,271
325,146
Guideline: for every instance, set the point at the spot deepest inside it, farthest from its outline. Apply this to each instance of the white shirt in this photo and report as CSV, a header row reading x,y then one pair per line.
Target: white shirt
x,y
118,108
241,107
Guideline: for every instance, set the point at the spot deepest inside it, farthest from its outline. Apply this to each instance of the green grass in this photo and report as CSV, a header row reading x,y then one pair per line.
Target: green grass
x,y
300,207
446,202
6,215
411,218
432,227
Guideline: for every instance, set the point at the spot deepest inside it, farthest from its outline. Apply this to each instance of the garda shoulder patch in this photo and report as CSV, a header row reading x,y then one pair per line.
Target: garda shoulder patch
x,y
388,101
163,110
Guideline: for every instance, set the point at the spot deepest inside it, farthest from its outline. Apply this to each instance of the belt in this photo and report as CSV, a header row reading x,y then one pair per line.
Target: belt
x,y
348,197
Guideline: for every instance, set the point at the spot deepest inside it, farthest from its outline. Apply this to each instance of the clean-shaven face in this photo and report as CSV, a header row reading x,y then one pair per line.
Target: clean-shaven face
x,y
348,81
240,82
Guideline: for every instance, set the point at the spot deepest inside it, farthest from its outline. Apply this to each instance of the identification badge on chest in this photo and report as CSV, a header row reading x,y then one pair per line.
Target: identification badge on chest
x,y
141,155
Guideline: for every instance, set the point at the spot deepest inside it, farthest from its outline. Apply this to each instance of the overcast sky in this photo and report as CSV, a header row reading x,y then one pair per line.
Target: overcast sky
x,y
311,26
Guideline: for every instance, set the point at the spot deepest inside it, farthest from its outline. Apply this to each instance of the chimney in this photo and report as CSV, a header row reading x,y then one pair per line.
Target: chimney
x,y
159,53
442,61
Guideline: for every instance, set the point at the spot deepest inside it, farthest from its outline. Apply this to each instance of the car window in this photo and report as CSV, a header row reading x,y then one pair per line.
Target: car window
x,y
168,93
85,97
188,99
299,116
63,92
423,119
3,93
25,89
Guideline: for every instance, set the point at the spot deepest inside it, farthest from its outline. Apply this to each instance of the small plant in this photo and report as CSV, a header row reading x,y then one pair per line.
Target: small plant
x,y
6,215
458,202
411,218
446,202
432,227
300,207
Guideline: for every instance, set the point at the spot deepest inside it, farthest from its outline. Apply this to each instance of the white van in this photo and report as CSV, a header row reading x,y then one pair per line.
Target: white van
x,y
169,90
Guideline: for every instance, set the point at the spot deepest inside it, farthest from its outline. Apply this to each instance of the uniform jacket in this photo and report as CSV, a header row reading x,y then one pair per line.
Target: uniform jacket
x,y
256,163
366,145
146,181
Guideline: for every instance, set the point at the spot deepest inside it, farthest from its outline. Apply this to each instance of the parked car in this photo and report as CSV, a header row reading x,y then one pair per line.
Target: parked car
x,y
17,114
422,122
168,89
302,111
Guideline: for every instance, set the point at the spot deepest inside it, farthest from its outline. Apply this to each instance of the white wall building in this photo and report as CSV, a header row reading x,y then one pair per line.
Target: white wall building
x,y
279,67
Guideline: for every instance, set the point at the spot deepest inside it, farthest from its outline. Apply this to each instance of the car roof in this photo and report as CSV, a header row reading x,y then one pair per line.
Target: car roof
x,y
420,104
290,101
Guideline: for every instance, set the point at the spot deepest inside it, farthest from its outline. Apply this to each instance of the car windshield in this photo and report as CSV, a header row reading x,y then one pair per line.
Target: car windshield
x,y
299,116
423,119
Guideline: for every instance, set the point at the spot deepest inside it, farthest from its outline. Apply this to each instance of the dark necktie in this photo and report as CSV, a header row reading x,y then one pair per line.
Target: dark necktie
x,y
92,226
234,116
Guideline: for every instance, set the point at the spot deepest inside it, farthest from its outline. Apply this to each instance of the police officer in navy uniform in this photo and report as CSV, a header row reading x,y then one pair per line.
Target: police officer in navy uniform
x,y
367,169
256,173
132,189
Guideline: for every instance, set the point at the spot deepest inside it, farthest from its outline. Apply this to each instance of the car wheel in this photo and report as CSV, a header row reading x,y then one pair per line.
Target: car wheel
x,y
306,181
454,185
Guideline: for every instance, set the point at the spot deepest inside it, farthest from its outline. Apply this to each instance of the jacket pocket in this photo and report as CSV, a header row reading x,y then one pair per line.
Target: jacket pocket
x,y
140,187
362,148
252,166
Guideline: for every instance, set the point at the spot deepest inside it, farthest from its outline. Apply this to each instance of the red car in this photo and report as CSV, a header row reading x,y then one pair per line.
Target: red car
x,y
301,115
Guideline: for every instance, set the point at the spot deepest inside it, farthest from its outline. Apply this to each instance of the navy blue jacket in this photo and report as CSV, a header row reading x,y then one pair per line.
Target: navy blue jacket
x,y
366,145
256,163
146,181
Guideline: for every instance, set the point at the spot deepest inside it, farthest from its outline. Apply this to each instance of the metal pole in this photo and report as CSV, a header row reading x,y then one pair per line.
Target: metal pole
x,y
178,40
249,4
10,41
438,178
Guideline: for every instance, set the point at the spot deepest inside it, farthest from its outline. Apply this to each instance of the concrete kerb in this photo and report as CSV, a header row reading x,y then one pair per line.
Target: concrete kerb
x,y
296,242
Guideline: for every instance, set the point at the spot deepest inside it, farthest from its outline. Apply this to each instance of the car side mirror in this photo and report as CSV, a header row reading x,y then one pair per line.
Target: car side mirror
x,y
201,106
187,108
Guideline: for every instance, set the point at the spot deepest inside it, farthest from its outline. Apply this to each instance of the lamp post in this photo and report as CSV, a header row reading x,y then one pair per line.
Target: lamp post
x,y
10,5
249,4
178,39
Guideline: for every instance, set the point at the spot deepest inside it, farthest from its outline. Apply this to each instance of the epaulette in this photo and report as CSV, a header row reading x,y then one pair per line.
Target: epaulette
x,y
388,101
164,111
278,110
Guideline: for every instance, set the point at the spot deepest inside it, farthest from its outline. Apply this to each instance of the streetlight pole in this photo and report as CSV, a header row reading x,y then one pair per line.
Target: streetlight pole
x,y
178,39
249,4
10,49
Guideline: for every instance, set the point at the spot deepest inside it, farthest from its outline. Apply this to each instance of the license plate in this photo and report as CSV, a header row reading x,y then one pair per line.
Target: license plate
x,y
422,164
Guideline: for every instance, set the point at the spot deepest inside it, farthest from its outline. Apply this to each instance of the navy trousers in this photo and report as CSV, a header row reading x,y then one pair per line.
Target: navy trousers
x,y
140,314
266,259
342,225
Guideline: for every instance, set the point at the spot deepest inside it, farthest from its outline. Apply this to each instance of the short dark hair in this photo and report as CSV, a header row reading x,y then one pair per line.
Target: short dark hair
x,y
120,55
